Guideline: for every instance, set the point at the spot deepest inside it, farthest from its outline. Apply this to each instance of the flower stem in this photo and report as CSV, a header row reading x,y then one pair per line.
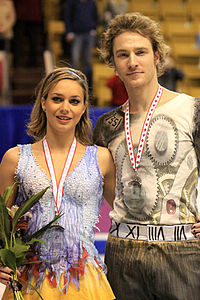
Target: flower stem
x,y
6,241
17,294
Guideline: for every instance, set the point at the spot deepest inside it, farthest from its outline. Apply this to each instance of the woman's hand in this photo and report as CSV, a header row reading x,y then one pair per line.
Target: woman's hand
x,y
6,275
196,228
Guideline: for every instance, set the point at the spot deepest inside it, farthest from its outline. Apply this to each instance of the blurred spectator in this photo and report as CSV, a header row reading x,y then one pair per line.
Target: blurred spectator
x,y
113,8
7,20
81,20
171,76
119,93
28,32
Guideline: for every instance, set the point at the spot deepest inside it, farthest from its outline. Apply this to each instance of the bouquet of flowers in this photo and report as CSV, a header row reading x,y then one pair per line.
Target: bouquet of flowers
x,y
15,246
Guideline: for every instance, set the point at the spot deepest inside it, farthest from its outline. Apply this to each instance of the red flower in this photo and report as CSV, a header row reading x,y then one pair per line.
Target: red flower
x,y
22,225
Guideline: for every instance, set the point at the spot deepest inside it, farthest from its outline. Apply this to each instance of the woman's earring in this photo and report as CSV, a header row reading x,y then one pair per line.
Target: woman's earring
x,y
44,110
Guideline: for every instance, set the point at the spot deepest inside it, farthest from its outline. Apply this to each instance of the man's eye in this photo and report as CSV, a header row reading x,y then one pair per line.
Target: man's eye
x,y
123,55
140,52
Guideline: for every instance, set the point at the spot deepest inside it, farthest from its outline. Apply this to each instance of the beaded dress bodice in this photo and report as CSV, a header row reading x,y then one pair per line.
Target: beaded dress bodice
x,y
82,192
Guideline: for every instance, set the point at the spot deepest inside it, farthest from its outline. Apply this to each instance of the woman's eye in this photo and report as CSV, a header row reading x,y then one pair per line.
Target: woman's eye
x,y
56,99
74,101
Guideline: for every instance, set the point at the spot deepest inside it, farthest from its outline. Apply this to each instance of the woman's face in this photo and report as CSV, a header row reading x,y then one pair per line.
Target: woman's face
x,y
64,106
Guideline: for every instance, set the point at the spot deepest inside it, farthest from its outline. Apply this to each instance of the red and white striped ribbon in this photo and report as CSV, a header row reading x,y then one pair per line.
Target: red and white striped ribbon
x,y
135,161
58,190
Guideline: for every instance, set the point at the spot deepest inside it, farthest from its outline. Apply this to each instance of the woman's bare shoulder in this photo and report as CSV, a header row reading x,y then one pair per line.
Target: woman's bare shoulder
x,y
105,160
10,160
103,152
11,155
7,168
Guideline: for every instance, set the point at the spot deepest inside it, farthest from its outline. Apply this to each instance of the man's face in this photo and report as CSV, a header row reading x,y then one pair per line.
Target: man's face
x,y
134,59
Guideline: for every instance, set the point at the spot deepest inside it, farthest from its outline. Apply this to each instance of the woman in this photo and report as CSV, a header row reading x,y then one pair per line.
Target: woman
x,y
60,125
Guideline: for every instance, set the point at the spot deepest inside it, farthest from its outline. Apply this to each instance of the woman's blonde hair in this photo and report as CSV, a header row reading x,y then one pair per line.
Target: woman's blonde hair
x,y
135,22
37,125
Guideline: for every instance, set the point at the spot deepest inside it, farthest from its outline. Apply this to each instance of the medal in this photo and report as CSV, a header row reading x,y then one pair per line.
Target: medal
x,y
54,246
133,194
56,226
136,185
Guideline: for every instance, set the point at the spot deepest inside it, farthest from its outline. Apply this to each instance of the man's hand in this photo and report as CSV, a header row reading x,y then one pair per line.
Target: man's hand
x,y
70,37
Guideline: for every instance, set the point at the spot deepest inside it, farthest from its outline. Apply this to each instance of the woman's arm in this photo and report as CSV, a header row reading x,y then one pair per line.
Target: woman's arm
x,y
7,171
107,167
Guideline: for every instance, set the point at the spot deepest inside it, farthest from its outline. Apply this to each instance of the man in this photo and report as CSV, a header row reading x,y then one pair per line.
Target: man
x,y
171,75
81,18
151,252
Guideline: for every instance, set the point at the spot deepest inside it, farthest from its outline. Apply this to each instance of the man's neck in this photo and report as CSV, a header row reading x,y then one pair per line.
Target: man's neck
x,y
140,99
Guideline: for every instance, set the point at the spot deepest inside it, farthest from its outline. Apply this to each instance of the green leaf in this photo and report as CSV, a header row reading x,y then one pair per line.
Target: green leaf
x,y
7,193
26,207
4,216
34,289
19,250
1,237
35,240
43,229
4,222
20,261
29,262
8,258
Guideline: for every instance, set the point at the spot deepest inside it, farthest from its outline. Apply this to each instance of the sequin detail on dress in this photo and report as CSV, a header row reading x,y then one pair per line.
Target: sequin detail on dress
x,y
66,250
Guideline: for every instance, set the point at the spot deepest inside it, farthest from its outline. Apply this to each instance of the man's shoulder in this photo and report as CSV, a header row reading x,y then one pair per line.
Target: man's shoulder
x,y
111,118
108,125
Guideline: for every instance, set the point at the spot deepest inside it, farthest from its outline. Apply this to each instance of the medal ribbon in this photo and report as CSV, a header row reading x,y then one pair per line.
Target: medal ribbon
x,y
135,161
58,190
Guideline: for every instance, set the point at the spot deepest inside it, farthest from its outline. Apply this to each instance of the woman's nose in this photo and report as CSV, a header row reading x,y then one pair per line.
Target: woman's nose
x,y
65,106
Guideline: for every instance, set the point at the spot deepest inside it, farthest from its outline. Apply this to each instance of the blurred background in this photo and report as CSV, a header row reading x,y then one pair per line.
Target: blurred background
x,y
37,35
38,41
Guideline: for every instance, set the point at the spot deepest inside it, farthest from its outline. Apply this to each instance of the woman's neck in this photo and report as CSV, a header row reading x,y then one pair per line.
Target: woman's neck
x,y
59,142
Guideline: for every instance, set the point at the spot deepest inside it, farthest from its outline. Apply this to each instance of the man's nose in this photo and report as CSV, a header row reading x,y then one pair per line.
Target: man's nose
x,y
132,62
